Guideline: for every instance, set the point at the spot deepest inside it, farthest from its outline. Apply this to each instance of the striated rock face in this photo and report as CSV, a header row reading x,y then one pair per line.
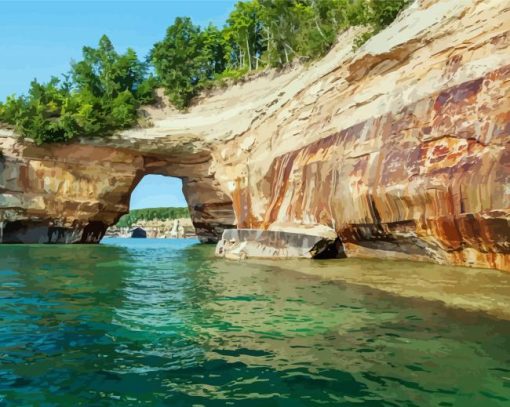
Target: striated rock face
x,y
72,193
400,149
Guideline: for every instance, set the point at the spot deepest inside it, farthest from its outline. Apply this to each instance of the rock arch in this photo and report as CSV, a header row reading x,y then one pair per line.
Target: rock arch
x,y
72,193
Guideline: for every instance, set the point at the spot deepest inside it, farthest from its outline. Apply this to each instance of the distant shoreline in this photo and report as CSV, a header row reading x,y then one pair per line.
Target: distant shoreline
x,y
156,223
149,238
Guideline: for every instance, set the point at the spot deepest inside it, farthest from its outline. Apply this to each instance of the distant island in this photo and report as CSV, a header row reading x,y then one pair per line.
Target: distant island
x,y
172,222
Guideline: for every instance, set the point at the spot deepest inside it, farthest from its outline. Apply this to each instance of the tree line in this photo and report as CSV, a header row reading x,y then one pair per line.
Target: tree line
x,y
102,92
136,215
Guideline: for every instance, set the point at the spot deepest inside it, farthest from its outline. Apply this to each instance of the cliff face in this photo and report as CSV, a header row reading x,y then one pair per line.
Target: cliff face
x,y
400,150
72,193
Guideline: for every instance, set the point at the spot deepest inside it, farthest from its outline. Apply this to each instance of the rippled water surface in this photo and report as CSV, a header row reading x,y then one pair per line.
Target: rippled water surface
x,y
161,322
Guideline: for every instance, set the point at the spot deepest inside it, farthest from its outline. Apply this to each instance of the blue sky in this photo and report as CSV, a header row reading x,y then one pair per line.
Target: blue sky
x,y
38,39
155,191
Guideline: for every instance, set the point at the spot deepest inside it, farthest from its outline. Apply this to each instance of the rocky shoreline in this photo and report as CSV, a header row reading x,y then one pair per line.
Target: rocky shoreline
x,y
157,229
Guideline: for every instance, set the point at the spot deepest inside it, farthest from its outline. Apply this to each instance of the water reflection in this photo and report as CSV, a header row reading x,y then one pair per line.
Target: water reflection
x,y
162,322
393,349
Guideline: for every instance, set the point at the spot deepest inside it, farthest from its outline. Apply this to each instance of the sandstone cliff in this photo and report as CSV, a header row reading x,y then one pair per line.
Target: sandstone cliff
x,y
399,149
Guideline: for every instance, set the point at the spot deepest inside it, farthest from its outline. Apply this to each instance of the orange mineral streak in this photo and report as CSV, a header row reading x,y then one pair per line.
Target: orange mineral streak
x,y
438,184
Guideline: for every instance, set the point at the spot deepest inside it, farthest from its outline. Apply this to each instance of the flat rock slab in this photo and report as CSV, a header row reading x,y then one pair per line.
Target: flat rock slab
x,y
243,243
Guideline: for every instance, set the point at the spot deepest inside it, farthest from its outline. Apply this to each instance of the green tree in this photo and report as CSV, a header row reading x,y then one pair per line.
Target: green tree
x,y
179,61
100,95
244,33
214,51
105,73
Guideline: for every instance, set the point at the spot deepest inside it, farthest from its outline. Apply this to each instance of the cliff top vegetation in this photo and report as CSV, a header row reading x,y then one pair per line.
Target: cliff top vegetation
x,y
102,92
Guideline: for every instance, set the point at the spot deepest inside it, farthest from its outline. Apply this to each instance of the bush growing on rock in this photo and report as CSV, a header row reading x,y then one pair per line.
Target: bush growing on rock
x,y
101,94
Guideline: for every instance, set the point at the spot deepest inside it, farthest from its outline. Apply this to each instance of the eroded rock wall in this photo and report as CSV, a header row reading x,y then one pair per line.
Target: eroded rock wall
x,y
72,193
402,149
62,193
424,183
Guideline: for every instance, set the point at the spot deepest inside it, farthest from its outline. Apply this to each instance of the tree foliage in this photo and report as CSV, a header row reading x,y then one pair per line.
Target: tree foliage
x,y
180,62
99,95
258,34
163,214
103,91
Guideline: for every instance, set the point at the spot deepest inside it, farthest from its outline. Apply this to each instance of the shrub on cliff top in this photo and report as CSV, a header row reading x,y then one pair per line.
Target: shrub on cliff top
x,y
99,95
103,91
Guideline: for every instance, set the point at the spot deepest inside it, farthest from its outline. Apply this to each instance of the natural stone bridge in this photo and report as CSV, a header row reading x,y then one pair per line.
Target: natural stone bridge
x,y
397,150
72,193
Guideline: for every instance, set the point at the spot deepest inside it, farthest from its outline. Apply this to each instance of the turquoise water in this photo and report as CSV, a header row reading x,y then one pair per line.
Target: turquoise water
x,y
163,323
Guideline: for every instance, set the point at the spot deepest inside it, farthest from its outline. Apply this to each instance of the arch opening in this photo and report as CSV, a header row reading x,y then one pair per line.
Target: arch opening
x,y
157,209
